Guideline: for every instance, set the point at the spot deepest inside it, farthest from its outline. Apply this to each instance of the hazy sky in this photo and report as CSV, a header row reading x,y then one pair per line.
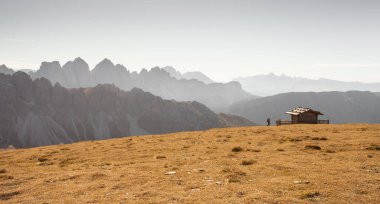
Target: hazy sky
x,y
338,39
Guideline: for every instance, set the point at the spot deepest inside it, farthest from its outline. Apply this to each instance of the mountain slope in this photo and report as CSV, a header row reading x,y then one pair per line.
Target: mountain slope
x,y
35,113
272,165
339,107
267,85
76,74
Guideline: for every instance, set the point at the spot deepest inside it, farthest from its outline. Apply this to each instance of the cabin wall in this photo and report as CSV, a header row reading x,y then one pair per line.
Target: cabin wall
x,y
308,118
294,118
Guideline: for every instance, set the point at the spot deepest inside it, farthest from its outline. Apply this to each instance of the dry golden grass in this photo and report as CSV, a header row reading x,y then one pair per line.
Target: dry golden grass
x,y
276,165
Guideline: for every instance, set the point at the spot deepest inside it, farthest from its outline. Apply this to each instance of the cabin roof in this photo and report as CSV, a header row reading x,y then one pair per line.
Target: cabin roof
x,y
300,110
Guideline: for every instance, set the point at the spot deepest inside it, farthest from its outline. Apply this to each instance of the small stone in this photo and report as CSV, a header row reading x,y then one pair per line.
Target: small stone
x,y
297,181
300,182
170,173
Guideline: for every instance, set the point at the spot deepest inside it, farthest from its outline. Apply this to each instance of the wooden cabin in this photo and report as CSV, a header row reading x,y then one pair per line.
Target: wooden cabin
x,y
303,116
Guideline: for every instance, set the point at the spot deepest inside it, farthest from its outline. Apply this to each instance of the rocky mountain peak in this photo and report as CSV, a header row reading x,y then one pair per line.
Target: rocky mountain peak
x,y
23,84
5,70
121,67
106,62
157,71
78,63
55,65
79,60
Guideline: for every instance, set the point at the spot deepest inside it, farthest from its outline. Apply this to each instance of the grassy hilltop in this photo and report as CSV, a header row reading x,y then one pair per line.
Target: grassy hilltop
x,y
286,164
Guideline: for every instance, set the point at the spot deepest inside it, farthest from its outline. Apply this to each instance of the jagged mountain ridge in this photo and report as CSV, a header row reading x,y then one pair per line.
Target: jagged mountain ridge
x,y
5,70
271,84
338,107
188,75
35,113
76,74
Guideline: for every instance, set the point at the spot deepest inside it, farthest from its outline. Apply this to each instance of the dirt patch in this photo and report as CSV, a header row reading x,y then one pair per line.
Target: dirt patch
x,y
247,162
96,176
7,196
310,195
237,149
374,147
313,147
319,138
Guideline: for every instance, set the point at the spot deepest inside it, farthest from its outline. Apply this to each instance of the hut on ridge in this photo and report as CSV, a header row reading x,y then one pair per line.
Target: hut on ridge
x,y
303,116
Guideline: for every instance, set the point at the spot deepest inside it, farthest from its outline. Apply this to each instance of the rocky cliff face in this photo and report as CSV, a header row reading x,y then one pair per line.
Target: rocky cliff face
x,y
76,74
35,113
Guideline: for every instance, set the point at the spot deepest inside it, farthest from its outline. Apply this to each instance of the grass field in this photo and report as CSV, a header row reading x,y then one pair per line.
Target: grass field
x,y
286,164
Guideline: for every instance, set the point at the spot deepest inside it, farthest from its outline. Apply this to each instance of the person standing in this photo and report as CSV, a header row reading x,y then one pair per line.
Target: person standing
x,y
268,122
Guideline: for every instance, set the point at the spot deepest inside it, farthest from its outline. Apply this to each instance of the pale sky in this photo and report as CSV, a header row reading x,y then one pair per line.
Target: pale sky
x,y
337,39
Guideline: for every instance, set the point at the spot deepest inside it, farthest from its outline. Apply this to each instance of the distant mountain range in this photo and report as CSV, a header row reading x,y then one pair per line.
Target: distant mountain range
x,y
271,84
76,74
188,75
338,107
35,113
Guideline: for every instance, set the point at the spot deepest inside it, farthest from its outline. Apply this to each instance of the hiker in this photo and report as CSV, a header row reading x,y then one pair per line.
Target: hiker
x,y
268,122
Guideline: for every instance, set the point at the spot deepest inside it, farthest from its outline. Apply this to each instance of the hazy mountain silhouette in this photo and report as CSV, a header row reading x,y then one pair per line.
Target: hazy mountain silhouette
x,y
271,84
339,107
188,75
35,113
76,74
5,70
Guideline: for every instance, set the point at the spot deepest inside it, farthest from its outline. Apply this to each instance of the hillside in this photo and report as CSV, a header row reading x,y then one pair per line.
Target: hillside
x,y
36,113
338,107
236,165
271,84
